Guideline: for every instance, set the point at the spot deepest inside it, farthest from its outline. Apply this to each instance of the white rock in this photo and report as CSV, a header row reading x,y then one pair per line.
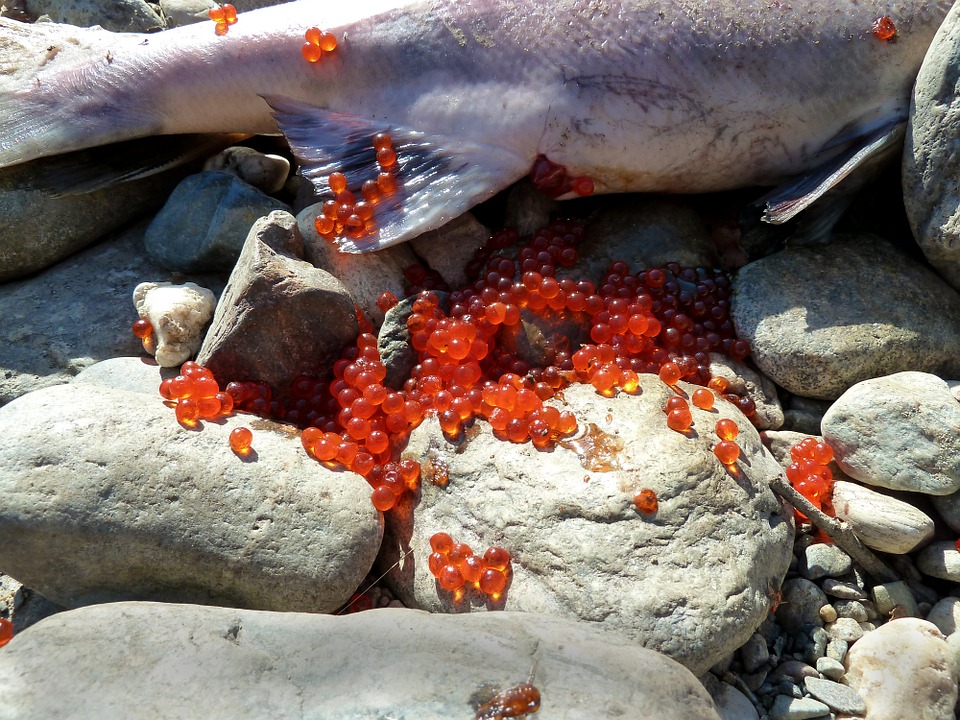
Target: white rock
x,y
157,661
265,172
179,315
898,432
881,522
904,669
845,629
946,615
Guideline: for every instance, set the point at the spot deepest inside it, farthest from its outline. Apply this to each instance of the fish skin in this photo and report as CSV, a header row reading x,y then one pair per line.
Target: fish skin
x,y
686,96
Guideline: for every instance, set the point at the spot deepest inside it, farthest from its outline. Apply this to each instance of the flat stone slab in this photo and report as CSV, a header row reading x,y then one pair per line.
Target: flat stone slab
x,y
104,496
158,661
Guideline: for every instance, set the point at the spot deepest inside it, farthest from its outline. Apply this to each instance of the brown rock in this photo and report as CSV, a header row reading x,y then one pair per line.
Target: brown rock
x,y
279,316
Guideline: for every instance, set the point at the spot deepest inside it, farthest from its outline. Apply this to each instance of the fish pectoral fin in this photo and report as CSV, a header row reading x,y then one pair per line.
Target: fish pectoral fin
x,y
85,171
436,178
853,168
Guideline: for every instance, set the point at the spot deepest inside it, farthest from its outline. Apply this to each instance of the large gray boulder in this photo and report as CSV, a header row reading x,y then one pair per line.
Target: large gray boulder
x,y
106,497
153,661
693,581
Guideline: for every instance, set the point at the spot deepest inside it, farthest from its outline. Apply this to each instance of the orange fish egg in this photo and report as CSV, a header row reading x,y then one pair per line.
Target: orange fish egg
x,y
884,29
224,16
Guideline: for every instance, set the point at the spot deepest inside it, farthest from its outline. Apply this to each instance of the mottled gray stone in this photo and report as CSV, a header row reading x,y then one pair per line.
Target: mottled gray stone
x,y
107,497
132,374
940,560
800,605
843,589
754,653
148,661
185,12
790,708
900,432
648,232
945,615
880,521
930,163
948,506
823,560
580,547
803,415
839,697
40,229
205,221
75,314
830,668
279,316
844,628
822,318
851,609
116,15
730,702
449,248
904,669
837,649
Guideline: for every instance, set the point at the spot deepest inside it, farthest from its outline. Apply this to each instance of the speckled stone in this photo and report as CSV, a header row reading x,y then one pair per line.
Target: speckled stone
x,y
830,668
845,629
946,615
852,310
823,560
789,708
800,605
839,697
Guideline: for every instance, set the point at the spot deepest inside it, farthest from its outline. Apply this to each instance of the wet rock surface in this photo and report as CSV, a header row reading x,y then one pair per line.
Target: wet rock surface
x,y
140,507
580,547
297,665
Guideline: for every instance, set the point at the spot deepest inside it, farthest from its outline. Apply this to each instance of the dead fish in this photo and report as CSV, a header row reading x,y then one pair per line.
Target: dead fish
x,y
686,96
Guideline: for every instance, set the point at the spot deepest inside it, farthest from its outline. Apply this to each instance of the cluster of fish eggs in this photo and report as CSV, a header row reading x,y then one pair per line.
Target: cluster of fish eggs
x,y
455,567
345,215
810,475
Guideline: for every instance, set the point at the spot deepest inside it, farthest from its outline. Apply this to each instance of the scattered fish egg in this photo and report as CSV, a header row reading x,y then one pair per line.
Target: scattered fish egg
x,y
646,501
240,440
727,451
142,328
884,29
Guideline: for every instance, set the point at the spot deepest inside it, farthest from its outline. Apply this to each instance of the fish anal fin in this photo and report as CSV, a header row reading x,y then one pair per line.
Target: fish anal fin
x,y
853,168
437,178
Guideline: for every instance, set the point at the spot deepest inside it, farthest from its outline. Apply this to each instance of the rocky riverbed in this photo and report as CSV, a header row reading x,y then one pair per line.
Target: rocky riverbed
x,y
152,570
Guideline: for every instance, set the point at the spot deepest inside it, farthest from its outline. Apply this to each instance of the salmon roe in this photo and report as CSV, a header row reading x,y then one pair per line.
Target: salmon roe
x,y
809,475
457,568
646,501
224,16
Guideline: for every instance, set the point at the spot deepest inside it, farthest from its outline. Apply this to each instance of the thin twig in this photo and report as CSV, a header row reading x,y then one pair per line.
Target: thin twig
x,y
842,535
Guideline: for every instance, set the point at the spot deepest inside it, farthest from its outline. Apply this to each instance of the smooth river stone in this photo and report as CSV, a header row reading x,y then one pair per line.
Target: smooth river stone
x,y
900,432
106,497
904,669
880,521
694,580
143,661
822,318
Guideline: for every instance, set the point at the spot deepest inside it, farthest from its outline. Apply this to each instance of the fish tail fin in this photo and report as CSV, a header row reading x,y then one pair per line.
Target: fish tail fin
x,y
432,180
44,69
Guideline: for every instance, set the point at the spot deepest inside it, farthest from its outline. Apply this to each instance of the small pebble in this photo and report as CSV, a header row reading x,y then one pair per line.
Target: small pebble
x,y
822,560
828,613
851,609
845,629
887,596
838,697
789,708
754,654
794,670
830,668
940,560
946,615
843,590
837,649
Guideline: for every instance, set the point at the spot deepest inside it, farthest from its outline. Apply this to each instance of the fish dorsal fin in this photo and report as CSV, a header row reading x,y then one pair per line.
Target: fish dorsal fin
x,y
786,202
438,178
